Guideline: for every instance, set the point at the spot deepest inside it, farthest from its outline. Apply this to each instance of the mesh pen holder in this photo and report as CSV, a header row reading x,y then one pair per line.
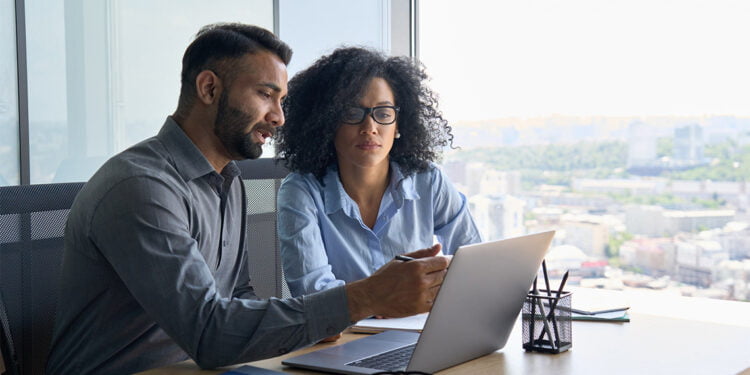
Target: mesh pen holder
x,y
546,322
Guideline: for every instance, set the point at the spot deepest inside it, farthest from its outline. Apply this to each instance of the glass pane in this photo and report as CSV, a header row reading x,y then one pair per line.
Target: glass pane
x,y
314,28
9,146
103,75
623,125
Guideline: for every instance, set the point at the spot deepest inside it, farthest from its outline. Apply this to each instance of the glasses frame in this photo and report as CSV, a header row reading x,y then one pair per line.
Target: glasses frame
x,y
371,112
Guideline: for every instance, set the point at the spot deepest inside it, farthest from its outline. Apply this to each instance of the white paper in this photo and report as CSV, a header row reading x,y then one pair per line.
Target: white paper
x,y
410,323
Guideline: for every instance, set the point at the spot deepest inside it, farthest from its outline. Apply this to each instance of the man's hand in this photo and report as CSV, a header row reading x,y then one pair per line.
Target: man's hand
x,y
399,288
333,338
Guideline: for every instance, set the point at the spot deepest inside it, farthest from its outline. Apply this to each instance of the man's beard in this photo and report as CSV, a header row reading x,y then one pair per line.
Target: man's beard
x,y
230,126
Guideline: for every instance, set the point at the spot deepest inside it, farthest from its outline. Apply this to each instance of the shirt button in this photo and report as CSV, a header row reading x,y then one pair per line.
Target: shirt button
x,y
224,243
283,351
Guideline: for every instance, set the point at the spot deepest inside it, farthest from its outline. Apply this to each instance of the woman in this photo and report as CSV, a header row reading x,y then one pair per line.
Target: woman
x,y
360,136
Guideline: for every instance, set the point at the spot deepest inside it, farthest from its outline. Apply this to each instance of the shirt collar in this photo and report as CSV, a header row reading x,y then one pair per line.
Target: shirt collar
x,y
401,187
333,191
188,159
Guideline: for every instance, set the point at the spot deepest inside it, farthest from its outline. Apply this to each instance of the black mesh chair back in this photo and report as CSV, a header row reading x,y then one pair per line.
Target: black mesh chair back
x,y
262,179
32,223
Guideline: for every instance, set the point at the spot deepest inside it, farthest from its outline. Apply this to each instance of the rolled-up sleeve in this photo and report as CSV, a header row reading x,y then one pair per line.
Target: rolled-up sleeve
x,y
142,227
306,265
454,225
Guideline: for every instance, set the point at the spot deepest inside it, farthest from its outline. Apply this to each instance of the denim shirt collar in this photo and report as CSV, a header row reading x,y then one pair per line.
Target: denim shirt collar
x,y
401,188
188,159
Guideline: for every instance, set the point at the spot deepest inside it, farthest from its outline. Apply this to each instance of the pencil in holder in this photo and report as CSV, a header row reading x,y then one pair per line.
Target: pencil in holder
x,y
546,322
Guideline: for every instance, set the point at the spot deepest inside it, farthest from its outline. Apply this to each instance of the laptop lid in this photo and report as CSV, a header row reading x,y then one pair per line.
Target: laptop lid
x,y
473,314
479,301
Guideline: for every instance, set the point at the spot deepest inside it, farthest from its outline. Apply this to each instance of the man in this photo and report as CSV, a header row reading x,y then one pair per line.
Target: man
x,y
154,270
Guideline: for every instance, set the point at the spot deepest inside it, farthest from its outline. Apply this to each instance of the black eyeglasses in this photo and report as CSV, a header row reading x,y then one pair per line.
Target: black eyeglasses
x,y
382,114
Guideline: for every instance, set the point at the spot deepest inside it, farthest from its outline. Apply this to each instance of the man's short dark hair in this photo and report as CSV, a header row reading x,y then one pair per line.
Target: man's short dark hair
x,y
217,46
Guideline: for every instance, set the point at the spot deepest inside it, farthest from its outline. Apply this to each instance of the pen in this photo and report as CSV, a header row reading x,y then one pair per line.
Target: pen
x,y
403,258
545,317
554,306
560,289
546,325
546,278
533,313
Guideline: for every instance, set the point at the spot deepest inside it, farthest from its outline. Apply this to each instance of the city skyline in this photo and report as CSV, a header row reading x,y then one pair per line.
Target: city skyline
x,y
514,131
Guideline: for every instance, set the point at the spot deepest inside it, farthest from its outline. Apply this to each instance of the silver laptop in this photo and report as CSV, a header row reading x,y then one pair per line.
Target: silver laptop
x,y
473,314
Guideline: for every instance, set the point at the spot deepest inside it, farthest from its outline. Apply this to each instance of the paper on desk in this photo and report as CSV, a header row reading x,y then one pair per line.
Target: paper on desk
x,y
413,323
250,370
596,301
612,316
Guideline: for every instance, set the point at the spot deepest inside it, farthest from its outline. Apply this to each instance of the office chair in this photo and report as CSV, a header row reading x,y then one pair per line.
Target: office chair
x,y
262,179
32,223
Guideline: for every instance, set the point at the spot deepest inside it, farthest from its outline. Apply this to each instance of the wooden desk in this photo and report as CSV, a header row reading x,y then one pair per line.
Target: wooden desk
x,y
649,344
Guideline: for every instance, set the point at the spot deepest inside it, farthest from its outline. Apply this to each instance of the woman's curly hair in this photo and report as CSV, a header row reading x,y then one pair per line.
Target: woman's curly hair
x,y
319,95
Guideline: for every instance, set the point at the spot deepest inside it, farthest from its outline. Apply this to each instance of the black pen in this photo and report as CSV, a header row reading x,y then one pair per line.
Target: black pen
x,y
562,285
554,306
544,314
546,278
535,291
546,329
403,258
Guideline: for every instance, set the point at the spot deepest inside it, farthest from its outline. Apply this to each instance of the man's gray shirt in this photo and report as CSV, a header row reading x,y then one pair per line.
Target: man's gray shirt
x,y
152,273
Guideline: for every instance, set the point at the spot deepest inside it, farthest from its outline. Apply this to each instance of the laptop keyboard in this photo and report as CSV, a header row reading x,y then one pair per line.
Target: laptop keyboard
x,y
393,360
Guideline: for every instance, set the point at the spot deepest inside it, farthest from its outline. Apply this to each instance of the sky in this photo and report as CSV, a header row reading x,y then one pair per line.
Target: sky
x,y
494,59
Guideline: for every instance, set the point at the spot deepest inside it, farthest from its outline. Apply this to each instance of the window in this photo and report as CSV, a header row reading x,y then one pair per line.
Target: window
x,y
104,75
9,141
624,125
316,28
